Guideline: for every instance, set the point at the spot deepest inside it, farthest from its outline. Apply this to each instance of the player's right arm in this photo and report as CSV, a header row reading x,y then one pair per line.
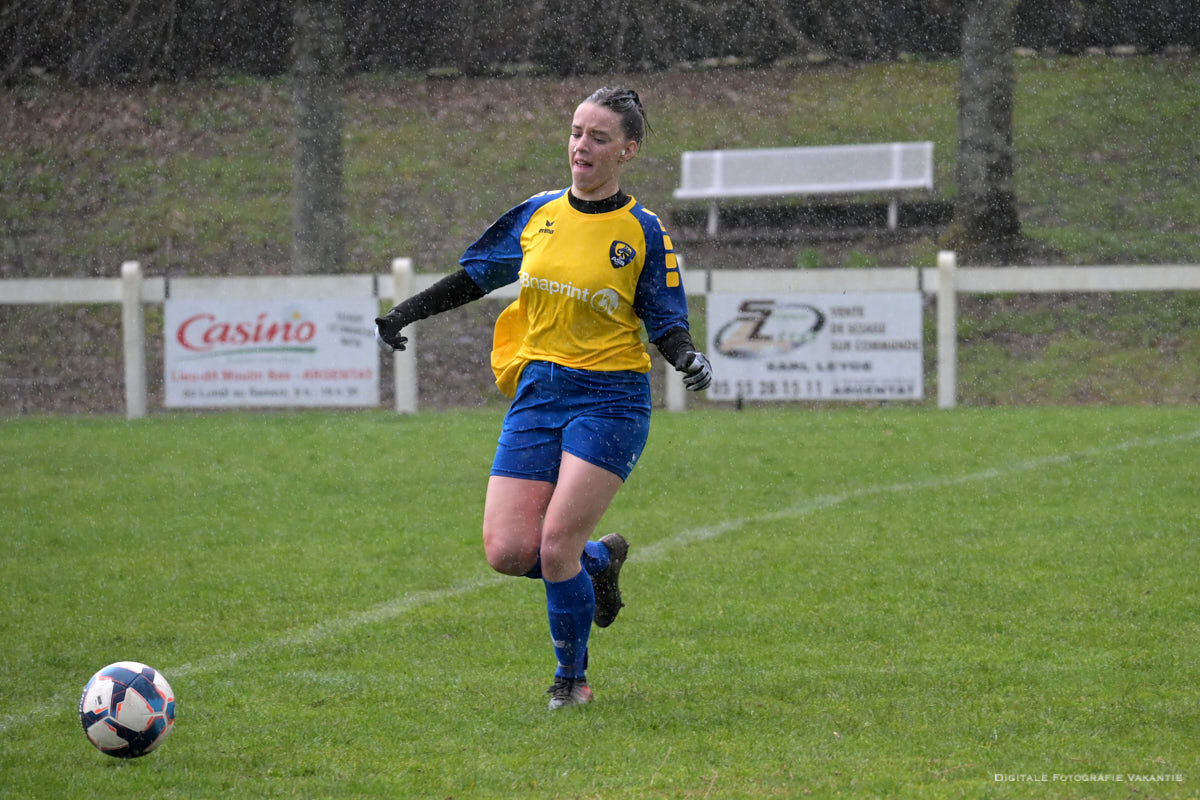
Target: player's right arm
x,y
492,261
452,291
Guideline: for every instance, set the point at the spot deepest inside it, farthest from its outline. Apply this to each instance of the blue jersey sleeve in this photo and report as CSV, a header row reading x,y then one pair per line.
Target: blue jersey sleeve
x,y
494,260
660,300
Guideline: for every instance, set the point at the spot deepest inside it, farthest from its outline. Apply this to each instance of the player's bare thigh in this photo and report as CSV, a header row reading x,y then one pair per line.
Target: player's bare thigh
x,y
582,495
512,522
523,518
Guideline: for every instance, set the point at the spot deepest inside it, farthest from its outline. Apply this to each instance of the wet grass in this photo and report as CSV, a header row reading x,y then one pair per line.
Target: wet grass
x,y
897,602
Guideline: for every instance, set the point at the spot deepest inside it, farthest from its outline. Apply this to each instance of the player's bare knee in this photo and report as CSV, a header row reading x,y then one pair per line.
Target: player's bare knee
x,y
506,558
559,556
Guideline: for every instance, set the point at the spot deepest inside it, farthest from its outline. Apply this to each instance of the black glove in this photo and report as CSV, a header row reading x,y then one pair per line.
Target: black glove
x,y
680,352
387,332
697,372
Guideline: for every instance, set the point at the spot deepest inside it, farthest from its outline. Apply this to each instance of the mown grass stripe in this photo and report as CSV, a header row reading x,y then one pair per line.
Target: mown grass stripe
x,y
339,626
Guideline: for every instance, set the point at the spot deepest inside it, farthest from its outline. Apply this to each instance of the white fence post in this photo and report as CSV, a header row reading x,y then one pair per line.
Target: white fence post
x,y
133,330
676,394
405,363
947,330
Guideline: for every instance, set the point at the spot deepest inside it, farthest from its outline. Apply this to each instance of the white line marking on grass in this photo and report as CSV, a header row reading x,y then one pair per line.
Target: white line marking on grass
x,y
809,505
401,605
314,634
337,626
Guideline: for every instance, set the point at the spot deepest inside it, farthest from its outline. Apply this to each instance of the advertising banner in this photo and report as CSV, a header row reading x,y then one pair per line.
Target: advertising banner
x,y
231,353
832,346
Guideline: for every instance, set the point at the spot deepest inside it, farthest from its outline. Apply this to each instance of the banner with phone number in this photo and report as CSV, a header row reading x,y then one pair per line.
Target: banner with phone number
x,y
307,352
826,346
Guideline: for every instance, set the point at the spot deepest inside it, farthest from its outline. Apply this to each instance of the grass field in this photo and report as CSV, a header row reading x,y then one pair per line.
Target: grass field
x,y
858,602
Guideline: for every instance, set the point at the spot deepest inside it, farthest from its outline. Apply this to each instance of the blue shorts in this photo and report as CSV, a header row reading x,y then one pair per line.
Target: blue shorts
x,y
601,417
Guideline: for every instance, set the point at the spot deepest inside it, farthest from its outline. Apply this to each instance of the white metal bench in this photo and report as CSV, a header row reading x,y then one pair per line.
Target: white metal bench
x,y
778,171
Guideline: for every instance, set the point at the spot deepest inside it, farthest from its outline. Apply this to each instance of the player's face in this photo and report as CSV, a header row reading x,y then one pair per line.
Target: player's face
x,y
595,152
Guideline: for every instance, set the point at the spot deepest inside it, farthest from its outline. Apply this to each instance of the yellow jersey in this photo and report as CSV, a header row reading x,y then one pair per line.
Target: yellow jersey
x,y
589,283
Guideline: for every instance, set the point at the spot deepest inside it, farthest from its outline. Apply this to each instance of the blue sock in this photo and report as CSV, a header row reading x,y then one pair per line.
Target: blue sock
x,y
571,605
594,561
595,557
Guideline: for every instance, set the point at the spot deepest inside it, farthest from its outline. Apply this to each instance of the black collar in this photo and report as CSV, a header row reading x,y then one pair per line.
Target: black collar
x,y
598,206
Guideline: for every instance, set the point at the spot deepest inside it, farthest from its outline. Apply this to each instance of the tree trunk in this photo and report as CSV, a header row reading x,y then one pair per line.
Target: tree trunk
x,y
985,213
318,223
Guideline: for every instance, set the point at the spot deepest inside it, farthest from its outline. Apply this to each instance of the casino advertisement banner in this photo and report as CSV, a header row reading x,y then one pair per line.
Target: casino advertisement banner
x,y
830,346
235,353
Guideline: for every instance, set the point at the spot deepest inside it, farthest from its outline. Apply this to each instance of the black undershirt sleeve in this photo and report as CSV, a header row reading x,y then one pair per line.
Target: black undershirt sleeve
x,y
452,291
675,345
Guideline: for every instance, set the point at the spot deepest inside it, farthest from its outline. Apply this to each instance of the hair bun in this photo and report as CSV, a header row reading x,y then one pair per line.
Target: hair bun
x,y
626,103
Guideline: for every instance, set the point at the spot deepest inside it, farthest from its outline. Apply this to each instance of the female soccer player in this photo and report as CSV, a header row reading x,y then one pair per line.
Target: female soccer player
x,y
594,267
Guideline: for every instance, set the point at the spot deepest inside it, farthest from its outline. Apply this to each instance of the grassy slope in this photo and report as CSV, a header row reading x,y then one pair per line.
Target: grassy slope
x,y
196,179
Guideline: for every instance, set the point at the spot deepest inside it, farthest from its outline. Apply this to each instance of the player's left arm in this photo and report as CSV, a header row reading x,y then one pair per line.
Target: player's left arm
x,y
661,303
680,351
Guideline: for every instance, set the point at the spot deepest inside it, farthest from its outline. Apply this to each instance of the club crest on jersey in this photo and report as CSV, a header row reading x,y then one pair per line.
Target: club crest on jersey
x,y
621,254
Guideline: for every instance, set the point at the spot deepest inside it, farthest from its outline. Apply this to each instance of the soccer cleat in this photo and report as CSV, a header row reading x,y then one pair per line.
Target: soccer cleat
x,y
608,593
569,692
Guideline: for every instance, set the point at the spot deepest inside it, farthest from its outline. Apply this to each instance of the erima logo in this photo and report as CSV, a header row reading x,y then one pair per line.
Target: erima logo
x,y
548,227
621,254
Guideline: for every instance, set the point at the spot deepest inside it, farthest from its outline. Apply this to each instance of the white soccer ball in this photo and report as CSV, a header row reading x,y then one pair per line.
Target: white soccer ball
x,y
127,709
